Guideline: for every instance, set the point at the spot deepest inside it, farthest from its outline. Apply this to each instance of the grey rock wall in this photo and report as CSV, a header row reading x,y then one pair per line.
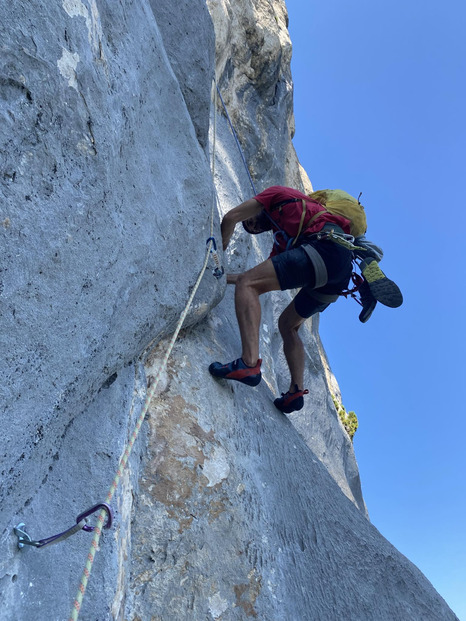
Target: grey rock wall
x,y
253,54
186,30
105,198
227,510
237,518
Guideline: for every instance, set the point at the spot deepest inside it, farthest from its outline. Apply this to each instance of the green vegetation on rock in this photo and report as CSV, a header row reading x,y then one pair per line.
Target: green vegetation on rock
x,y
349,419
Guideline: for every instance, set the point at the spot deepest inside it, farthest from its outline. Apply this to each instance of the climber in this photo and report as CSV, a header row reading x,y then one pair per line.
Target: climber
x,y
303,256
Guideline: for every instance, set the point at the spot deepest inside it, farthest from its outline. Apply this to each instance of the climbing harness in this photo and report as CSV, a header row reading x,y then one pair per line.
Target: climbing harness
x,y
24,539
320,270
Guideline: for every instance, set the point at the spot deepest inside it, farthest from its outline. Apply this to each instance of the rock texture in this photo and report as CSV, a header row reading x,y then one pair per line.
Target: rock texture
x,y
228,510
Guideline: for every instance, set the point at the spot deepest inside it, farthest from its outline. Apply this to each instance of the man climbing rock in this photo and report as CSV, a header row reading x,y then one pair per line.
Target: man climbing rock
x,y
312,251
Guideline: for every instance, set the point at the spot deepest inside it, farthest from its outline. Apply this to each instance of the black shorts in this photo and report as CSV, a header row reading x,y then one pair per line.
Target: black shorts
x,y
294,269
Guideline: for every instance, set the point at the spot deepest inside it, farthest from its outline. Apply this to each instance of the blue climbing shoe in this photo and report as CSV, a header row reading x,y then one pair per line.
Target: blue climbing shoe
x,y
237,370
291,401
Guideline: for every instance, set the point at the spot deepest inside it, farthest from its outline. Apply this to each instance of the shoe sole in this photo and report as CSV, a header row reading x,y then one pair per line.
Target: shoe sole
x,y
291,407
387,293
252,380
365,315
382,288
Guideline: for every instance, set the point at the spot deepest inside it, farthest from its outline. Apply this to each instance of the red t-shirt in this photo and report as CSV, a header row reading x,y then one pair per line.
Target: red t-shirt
x,y
288,219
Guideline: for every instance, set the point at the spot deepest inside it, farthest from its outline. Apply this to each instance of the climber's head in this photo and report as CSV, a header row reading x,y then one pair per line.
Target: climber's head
x,y
257,224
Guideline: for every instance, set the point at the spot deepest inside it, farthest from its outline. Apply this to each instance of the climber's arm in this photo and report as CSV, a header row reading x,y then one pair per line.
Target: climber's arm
x,y
232,278
248,209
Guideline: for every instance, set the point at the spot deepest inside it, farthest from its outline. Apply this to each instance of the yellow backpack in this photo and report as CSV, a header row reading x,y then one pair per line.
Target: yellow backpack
x,y
343,204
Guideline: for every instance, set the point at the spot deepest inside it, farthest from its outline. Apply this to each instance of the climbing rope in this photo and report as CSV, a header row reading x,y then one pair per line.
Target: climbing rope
x,y
124,459
237,142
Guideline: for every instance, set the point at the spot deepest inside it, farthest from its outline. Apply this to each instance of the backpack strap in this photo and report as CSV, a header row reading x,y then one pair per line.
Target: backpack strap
x,y
276,206
295,200
316,215
280,231
300,228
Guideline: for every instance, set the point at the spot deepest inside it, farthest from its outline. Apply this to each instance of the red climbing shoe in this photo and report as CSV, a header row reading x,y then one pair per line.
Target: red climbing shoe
x,y
291,401
237,370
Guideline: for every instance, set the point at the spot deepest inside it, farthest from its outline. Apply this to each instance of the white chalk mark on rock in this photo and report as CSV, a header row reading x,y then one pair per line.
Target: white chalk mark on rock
x,y
67,66
216,469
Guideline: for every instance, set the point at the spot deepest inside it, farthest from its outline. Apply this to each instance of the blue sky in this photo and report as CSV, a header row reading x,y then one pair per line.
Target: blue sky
x,y
380,107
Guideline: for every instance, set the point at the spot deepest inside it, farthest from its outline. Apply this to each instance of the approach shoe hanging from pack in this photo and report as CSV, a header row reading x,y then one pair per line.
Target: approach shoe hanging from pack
x,y
237,370
368,302
291,401
382,288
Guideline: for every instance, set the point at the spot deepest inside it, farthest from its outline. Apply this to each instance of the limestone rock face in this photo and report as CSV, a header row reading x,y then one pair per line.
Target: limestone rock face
x,y
106,196
186,30
253,54
228,509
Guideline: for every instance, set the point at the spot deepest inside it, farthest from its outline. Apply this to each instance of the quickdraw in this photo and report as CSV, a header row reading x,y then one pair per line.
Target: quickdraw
x,y
25,539
218,271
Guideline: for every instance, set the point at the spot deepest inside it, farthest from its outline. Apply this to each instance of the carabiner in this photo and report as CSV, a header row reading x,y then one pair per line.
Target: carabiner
x,y
214,243
85,514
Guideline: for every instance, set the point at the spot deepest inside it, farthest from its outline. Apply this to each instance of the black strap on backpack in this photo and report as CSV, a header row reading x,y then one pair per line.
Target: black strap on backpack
x,y
285,202
276,206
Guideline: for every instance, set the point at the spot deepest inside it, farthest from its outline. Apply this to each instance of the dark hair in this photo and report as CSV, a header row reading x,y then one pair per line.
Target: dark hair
x,y
258,224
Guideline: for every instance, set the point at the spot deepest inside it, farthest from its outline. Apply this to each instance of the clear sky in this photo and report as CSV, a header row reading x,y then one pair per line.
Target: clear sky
x,y
380,106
